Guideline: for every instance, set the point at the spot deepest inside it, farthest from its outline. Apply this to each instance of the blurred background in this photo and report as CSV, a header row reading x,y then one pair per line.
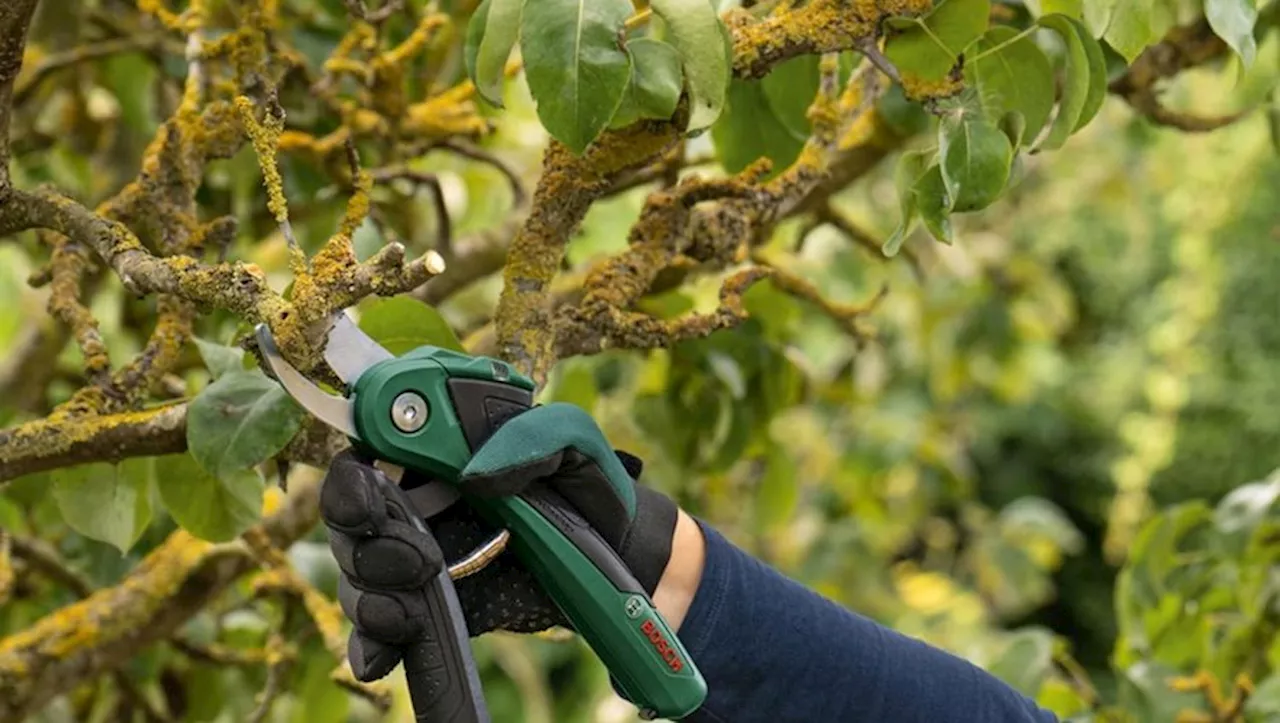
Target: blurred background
x,y
1019,458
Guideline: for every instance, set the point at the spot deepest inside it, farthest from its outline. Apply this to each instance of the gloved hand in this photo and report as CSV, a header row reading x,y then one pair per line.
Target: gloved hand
x,y
555,450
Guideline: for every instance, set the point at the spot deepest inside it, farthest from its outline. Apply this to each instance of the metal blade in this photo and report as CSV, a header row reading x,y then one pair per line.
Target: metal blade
x,y
429,499
349,351
337,412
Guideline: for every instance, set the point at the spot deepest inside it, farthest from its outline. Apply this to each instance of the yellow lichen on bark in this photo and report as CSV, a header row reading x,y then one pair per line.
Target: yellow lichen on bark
x,y
84,623
265,137
567,188
820,26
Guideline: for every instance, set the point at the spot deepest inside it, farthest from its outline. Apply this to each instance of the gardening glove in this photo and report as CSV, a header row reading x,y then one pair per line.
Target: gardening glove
x,y
554,451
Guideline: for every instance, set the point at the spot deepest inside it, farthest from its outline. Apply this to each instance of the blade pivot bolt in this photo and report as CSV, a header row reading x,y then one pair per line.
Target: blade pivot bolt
x,y
409,412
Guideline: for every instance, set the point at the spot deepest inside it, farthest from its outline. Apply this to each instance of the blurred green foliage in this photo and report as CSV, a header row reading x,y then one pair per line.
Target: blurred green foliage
x,y
1051,457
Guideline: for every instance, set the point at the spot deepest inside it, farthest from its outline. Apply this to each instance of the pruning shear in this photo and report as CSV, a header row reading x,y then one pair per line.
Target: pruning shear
x,y
429,410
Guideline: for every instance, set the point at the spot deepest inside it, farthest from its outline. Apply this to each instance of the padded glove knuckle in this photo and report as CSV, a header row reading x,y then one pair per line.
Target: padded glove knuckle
x,y
394,563
349,497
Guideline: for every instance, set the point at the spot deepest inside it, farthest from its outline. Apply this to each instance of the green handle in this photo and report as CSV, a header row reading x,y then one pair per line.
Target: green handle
x,y
603,602
582,574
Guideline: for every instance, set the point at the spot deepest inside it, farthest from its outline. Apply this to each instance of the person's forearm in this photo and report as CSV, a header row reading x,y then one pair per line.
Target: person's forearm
x,y
775,652
680,581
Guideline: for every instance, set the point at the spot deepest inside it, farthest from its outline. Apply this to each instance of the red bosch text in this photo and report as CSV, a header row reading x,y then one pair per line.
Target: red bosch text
x,y
663,647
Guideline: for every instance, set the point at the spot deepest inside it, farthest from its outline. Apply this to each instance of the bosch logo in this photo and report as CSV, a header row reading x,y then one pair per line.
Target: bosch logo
x,y
664,648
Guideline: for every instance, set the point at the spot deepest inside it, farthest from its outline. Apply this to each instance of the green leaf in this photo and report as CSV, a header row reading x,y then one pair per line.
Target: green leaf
x,y
1097,75
1011,74
367,239
930,46
1241,511
240,420
211,508
1074,8
911,167
933,203
1085,85
220,359
403,324
111,503
694,28
1025,661
576,70
656,80
491,33
1132,27
905,117
789,89
1265,701
574,383
1233,21
749,130
976,157
1097,15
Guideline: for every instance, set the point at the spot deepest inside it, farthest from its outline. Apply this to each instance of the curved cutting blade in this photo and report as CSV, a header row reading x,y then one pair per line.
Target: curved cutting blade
x,y
349,351
337,412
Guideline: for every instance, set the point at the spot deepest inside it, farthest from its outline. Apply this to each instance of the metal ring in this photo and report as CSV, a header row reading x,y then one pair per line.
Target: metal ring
x,y
480,557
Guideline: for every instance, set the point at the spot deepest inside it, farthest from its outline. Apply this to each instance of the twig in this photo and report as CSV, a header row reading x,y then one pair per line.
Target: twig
x,y
847,316
474,257
870,49
279,660
43,444
7,575
374,17
41,557
1183,47
218,654
15,18
469,150
444,225
51,64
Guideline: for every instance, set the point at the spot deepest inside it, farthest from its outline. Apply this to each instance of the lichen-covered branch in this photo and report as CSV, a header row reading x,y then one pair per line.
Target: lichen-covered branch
x,y
46,444
1183,47
15,18
68,266
737,215
820,26
97,634
570,184
847,316
567,188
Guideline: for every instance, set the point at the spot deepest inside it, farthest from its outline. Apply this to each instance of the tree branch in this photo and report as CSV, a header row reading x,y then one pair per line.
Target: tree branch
x,y
1183,47
820,26
47,444
15,19
739,212
101,632
567,188
40,556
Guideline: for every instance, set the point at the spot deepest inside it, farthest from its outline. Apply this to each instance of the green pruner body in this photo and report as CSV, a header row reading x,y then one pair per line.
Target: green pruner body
x,y
467,398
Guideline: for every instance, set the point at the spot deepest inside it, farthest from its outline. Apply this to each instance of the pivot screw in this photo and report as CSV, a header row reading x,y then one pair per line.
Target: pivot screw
x,y
409,412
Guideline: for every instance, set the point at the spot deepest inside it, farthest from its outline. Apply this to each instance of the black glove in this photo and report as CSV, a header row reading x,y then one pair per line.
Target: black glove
x,y
553,450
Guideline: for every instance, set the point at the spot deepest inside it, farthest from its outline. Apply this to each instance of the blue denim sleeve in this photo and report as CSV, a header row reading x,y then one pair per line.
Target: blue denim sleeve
x,y
773,651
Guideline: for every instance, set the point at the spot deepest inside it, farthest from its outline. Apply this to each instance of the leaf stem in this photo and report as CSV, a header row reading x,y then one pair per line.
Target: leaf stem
x,y
638,20
1001,46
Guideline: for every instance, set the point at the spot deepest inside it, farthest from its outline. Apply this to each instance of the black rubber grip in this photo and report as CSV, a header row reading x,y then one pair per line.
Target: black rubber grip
x,y
566,518
443,683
